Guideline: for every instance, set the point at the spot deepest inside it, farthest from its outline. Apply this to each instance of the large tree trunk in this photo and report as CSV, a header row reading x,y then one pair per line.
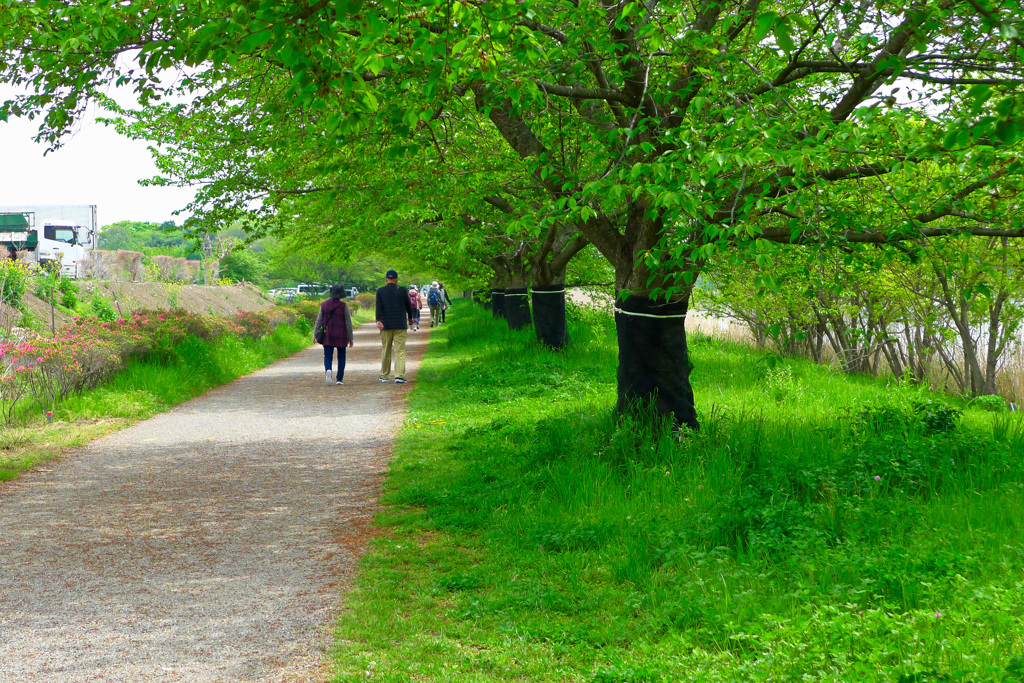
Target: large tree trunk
x,y
654,362
498,302
549,315
548,270
517,294
517,308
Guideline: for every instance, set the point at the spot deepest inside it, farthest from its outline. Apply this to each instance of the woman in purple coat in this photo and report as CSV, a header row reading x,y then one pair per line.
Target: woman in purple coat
x,y
337,324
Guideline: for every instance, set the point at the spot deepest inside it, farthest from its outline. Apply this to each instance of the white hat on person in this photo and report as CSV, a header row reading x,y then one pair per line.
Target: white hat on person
x,y
434,283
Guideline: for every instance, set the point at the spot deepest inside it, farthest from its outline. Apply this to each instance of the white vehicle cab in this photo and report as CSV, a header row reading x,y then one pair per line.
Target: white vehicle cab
x,y
50,236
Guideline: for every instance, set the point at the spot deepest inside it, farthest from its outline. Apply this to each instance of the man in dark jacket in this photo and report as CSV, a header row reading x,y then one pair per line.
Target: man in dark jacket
x,y
394,313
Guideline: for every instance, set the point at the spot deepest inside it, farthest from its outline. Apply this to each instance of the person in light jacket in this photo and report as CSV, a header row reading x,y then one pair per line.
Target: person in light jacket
x,y
336,320
445,301
417,305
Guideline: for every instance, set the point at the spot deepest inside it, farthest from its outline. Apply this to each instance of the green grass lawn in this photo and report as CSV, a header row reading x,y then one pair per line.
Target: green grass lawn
x,y
819,527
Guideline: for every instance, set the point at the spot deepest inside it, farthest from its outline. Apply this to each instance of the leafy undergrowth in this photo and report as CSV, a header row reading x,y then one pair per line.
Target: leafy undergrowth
x,y
146,384
819,527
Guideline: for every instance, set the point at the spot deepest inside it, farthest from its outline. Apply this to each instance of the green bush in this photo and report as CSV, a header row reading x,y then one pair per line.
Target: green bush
x,y
992,404
937,416
102,309
366,300
304,309
13,282
898,415
68,289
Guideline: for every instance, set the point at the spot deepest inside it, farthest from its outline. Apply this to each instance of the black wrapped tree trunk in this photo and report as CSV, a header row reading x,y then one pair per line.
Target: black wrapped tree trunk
x,y
517,308
549,315
654,366
498,303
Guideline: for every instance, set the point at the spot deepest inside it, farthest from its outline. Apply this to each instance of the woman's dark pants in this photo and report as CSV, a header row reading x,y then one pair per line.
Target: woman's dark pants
x,y
329,356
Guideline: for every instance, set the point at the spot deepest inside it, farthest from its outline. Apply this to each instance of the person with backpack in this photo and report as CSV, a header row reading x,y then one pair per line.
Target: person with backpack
x,y
394,313
434,303
417,305
333,329
445,301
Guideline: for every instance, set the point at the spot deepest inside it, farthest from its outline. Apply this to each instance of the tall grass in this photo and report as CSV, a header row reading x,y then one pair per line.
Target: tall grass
x,y
819,527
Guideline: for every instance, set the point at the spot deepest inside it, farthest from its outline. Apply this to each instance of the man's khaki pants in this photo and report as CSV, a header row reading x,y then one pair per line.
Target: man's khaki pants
x,y
396,338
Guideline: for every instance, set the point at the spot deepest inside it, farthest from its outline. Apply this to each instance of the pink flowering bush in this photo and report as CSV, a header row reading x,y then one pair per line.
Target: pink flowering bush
x,y
305,309
252,325
88,350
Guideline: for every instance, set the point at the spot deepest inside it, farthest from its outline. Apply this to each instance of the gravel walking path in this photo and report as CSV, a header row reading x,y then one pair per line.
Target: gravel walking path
x,y
209,543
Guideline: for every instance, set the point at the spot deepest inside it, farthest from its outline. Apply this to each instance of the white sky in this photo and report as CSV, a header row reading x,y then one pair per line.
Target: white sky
x,y
94,166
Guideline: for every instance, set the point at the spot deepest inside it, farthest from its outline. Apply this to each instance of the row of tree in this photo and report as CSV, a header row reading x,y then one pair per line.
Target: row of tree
x,y
946,313
517,137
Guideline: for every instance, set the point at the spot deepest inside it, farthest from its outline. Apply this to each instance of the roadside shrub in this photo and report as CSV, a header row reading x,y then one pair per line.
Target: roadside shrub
x,y
179,323
304,325
252,325
304,309
366,299
13,282
68,289
90,349
102,309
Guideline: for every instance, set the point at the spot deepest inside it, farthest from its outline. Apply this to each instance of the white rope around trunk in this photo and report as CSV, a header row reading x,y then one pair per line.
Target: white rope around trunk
x,y
647,315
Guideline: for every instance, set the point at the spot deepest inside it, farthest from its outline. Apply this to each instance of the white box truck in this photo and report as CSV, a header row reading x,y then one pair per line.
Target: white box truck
x,y
50,236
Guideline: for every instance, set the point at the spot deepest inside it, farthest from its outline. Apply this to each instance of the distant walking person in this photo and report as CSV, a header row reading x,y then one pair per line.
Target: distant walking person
x,y
434,303
394,313
417,305
335,322
445,301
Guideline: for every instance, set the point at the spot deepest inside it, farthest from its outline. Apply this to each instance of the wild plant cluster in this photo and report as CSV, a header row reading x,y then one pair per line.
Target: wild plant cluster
x,y
40,372
13,281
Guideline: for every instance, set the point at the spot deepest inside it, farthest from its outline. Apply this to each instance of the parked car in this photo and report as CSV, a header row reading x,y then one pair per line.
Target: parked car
x,y
285,294
312,291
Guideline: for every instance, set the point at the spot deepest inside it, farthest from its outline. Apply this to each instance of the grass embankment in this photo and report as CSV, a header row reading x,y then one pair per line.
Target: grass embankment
x,y
818,528
143,387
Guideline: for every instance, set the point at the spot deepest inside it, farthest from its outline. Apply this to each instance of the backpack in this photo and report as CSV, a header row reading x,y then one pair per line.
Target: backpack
x,y
434,297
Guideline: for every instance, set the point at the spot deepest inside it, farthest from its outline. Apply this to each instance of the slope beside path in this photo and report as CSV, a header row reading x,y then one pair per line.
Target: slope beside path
x,y
209,543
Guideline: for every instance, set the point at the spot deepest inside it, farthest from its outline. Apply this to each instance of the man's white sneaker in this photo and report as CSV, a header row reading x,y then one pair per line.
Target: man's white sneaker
x,y
383,380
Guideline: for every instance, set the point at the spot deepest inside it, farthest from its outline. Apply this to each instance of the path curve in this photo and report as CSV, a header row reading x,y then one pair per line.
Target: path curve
x,y
209,543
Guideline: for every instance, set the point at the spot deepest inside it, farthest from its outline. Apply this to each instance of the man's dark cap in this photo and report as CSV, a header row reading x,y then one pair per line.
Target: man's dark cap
x,y
391,275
